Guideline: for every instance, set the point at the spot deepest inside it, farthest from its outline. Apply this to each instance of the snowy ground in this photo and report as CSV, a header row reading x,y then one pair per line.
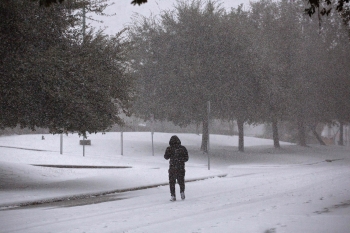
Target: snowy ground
x,y
265,190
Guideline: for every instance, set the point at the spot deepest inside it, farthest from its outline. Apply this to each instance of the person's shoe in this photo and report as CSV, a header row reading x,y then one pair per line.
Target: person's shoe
x,y
173,198
182,196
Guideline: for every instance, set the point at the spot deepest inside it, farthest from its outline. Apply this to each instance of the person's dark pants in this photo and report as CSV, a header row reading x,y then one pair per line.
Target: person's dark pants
x,y
179,175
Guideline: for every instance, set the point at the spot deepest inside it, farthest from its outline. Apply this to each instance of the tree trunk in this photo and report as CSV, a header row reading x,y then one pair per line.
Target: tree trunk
x,y
197,128
341,134
301,132
231,126
240,135
276,141
319,139
205,136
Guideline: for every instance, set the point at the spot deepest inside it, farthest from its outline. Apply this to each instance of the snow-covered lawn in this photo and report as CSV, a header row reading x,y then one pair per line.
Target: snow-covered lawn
x,y
265,190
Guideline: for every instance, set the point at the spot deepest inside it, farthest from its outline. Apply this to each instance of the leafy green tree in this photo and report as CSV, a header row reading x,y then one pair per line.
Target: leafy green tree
x,y
49,2
324,7
312,104
176,60
235,96
336,83
138,2
291,70
24,37
247,64
102,89
264,15
51,79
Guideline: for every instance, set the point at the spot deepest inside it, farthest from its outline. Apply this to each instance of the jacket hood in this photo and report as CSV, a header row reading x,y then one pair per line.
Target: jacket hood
x,y
174,140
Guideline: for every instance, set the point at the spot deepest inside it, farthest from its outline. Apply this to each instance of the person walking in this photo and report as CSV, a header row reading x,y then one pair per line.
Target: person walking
x,y
178,155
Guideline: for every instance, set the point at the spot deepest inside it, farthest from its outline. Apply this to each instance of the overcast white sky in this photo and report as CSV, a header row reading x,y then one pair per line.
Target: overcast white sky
x,y
124,10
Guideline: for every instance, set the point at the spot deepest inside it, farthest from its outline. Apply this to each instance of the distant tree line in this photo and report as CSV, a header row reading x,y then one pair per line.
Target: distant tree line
x,y
53,76
269,64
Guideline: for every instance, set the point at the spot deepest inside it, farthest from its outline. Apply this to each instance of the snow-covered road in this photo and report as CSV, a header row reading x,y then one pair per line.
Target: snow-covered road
x,y
252,198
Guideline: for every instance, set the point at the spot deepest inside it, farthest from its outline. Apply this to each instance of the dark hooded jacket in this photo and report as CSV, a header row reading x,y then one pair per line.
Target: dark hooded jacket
x,y
177,154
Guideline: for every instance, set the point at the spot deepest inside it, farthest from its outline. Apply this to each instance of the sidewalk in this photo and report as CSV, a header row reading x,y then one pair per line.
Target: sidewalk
x,y
100,182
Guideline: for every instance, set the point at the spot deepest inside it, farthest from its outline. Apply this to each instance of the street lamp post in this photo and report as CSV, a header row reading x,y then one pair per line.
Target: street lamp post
x,y
61,143
208,144
152,132
121,141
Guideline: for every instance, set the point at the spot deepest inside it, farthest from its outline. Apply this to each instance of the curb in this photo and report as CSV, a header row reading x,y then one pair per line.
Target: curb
x,y
92,195
80,166
22,148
